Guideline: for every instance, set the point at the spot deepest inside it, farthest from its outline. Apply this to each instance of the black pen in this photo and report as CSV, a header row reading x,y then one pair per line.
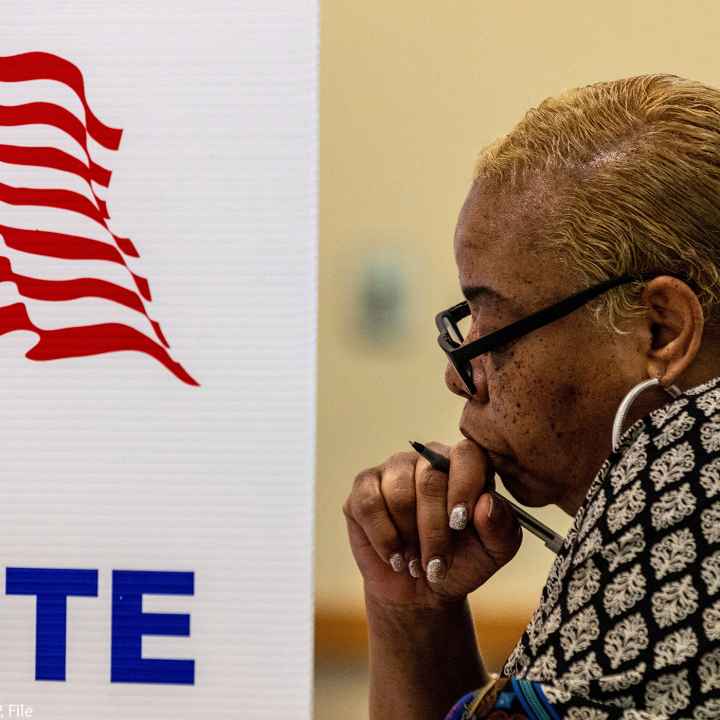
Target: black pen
x,y
551,539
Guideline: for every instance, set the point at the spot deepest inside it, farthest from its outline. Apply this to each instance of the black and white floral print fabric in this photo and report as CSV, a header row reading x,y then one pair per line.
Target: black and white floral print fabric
x,y
628,624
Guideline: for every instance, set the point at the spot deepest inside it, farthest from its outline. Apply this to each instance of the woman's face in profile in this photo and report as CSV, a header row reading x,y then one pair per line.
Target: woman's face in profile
x,y
544,404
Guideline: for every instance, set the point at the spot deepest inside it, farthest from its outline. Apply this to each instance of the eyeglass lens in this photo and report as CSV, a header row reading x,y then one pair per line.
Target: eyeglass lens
x,y
458,330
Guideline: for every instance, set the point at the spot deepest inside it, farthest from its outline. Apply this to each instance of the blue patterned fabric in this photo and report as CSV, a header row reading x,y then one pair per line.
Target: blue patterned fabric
x,y
518,700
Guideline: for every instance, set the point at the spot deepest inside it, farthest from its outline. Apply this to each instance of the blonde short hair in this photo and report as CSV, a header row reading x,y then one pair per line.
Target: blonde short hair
x,y
637,163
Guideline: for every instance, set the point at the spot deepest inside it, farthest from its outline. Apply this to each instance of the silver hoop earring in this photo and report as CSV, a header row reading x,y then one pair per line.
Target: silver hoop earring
x,y
673,390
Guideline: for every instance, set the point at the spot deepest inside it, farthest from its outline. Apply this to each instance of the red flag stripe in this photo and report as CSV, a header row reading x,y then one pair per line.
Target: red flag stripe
x,y
63,200
48,114
126,245
12,115
86,340
59,245
76,288
40,289
58,160
54,159
45,66
42,113
51,197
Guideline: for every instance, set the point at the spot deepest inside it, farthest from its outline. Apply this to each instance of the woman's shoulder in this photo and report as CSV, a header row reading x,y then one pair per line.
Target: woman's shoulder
x,y
632,601
666,467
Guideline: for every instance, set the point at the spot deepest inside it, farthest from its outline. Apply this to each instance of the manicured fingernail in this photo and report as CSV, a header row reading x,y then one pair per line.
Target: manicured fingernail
x,y
397,562
491,504
458,517
435,570
415,568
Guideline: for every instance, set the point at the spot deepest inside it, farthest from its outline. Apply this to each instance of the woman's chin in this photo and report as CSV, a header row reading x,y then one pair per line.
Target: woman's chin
x,y
524,495
523,489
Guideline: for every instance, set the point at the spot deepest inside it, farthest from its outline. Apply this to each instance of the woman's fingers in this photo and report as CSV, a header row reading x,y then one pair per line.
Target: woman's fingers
x,y
470,468
404,504
398,489
367,506
432,519
397,516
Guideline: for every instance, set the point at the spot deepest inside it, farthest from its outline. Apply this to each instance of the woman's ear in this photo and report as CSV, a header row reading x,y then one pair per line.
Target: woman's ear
x,y
675,320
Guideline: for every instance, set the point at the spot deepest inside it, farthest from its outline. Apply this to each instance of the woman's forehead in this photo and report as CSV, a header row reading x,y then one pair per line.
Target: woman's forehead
x,y
495,242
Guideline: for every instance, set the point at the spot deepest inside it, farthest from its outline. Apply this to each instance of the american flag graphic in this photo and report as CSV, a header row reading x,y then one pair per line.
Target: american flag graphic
x,y
64,274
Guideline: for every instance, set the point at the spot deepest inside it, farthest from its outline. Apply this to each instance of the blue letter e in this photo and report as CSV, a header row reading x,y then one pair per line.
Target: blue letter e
x,y
130,623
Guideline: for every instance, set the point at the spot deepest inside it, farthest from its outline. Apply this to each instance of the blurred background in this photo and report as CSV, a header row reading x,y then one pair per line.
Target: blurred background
x,y
409,94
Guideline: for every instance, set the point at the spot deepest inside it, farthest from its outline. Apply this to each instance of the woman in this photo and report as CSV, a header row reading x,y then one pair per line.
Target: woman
x,y
607,405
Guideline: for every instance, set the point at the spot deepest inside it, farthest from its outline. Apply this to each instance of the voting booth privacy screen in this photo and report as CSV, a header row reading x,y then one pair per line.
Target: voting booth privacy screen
x,y
158,257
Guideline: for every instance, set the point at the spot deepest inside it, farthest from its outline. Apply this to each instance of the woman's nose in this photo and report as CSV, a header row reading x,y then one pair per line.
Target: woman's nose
x,y
457,386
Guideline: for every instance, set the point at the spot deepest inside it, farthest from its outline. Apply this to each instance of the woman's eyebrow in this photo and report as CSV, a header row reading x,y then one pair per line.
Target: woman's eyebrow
x,y
478,292
473,293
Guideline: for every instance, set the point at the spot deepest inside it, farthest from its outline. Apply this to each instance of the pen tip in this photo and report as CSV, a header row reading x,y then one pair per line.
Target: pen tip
x,y
419,447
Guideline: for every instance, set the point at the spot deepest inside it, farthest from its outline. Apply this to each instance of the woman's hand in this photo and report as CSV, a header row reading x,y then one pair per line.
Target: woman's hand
x,y
399,511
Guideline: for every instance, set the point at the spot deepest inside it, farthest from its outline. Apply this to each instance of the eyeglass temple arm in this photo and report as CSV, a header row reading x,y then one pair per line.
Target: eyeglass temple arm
x,y
546,315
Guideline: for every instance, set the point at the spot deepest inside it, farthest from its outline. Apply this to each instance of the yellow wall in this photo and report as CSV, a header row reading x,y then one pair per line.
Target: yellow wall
x,y
410,91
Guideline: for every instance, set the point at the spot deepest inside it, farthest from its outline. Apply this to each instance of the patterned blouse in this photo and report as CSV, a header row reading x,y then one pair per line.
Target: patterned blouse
x,y
628,625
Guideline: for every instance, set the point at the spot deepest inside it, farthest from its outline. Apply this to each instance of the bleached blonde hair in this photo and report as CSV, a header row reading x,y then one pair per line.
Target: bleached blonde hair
x,y
636,164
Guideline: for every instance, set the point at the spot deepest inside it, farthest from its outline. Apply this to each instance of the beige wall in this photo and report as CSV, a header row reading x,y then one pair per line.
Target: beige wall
x,y
410,91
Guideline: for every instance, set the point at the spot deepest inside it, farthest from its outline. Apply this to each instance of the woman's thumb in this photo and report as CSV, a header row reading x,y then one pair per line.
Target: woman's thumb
x,y
497,527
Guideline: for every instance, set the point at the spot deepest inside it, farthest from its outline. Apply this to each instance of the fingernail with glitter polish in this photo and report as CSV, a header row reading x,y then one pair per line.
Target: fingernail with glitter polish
x,y
397,562
415,568
435,570
458,517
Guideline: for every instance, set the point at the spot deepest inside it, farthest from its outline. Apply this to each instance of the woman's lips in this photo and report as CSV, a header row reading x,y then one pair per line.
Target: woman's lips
x,y
493,453
503,465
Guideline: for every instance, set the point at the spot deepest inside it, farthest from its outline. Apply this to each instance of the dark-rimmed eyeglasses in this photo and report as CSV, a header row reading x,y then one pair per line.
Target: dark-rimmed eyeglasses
x,y
451,337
